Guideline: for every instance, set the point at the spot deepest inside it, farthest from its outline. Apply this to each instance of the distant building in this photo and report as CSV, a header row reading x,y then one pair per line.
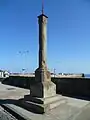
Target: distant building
x,y
70,75
4,74
1,74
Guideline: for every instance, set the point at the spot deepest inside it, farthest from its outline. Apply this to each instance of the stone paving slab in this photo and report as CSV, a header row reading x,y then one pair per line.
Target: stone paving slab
x,y
11,92
5,115
84,114
62,112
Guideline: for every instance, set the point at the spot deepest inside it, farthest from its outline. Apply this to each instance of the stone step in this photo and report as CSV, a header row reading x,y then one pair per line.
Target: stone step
x,y
54,99
12,110
43,100
50,103
33,107
33,99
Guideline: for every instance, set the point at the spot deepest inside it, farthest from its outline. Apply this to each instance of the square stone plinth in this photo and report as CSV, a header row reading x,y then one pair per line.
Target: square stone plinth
x,y
43,89
42,93
42,97
41,105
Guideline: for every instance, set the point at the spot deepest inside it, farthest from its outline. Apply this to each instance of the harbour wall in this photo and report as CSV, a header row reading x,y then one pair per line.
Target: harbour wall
x,y
65,86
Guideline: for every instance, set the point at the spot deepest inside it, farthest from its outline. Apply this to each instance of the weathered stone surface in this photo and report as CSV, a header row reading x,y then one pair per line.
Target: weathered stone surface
x,y
42,20
41,105
6,116
42,74
43,87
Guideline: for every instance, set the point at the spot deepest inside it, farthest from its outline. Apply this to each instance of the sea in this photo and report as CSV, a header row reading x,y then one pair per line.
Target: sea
x,y
87,75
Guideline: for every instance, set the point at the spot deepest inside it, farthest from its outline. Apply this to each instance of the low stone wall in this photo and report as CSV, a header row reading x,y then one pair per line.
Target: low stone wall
x,y
73,86
19,81
1,79
69,86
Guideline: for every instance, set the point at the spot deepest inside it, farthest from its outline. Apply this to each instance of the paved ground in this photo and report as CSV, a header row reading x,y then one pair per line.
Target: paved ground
x,y
4,115
71,109
9,92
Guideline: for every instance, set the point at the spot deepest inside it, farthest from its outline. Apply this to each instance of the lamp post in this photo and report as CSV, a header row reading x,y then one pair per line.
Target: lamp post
x,y
23,70
22,53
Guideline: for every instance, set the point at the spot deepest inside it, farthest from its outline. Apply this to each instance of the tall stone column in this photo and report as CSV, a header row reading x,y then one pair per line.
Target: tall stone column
x,y
42,21
43,91
42,74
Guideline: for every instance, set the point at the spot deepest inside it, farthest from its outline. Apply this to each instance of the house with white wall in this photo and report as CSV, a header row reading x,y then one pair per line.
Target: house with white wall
x,y
4,74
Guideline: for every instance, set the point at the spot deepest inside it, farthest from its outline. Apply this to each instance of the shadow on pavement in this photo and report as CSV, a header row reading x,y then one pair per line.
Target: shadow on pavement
x,y
18,103
7,101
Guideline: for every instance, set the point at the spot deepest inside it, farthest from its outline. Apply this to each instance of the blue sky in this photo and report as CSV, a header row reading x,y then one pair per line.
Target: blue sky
x,y
68,35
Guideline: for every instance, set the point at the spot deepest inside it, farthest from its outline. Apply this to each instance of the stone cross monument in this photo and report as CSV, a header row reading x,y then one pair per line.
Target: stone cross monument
x,y
43,92
43,87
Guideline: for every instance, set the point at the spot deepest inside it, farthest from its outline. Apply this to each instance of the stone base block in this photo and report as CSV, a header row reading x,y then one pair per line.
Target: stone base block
x,y
41,105
43,89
